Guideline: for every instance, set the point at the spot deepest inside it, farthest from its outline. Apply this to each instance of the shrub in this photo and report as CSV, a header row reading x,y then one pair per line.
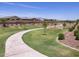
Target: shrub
x,y
77,27
71,29
75,32
77,36
61,36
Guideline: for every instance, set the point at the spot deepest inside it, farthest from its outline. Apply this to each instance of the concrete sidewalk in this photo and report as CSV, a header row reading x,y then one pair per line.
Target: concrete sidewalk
x,y
15,47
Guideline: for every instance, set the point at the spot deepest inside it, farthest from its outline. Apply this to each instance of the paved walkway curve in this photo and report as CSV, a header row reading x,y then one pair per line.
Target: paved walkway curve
x,y
15,47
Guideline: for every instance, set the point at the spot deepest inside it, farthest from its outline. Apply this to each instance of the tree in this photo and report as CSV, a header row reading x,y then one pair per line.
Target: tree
x,y
78,27
71,29
75,25
45,24
3,22
64,24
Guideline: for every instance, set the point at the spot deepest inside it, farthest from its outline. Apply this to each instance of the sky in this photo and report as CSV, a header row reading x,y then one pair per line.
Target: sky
x,y
54,10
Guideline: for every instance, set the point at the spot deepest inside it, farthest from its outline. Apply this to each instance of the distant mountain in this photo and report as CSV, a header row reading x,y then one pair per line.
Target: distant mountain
x,y
10,17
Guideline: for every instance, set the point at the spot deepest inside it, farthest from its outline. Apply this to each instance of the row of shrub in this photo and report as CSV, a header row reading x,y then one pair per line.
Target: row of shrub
x,y
76,34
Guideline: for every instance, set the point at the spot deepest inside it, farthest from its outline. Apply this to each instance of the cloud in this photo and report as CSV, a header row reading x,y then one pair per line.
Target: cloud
x,y
22,5
9,3
29,6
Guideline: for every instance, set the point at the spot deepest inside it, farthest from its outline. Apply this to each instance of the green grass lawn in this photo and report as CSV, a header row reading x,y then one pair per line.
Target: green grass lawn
x,y
7,31
46,44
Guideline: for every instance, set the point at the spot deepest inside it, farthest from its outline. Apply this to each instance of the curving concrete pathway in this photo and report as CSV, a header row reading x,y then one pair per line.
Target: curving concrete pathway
x,y
66,45
15,47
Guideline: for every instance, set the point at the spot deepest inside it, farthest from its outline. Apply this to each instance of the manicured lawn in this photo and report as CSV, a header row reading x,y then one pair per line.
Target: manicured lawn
x,y
46,44
7,31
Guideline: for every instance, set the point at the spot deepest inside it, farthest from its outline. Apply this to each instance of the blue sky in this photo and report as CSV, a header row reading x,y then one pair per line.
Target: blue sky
x,y
55,10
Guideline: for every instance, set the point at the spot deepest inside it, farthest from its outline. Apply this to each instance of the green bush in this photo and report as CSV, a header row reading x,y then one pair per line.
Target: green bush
x,y
75,32
77,36
71,29
60,36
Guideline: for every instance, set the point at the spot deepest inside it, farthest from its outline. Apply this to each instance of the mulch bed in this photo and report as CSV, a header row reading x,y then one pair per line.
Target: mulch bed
x,y
70,40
